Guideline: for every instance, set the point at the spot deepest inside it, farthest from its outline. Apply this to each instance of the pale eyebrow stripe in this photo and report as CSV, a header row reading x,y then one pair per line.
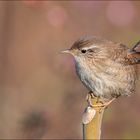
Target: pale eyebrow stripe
x,y
91,47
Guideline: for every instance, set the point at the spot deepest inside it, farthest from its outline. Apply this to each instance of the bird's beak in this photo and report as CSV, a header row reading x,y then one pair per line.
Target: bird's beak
x,y
67,51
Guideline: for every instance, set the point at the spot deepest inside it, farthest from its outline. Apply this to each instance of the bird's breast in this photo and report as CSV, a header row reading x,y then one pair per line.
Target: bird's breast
x,y
89,78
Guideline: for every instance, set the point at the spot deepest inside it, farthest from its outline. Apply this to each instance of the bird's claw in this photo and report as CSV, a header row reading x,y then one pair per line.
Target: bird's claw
x,y
90,95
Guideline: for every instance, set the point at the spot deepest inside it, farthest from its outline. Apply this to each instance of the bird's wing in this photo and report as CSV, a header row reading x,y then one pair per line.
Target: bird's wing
x,y
133,54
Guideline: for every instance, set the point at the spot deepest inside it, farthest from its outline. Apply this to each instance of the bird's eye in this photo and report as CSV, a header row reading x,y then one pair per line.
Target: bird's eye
x,y
83,51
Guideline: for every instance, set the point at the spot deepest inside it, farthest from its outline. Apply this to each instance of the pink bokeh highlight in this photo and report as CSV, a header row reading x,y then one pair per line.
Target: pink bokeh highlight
x,y
57,16
120,13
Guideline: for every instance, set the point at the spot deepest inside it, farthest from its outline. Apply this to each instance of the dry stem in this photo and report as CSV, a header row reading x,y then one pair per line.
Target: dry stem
x,y
92,130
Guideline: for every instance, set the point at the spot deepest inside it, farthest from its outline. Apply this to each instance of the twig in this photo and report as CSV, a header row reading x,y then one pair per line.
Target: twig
x,y
92,120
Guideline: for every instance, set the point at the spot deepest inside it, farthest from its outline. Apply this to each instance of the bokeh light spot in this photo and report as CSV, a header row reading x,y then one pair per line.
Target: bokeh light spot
x,y
57,16
120,13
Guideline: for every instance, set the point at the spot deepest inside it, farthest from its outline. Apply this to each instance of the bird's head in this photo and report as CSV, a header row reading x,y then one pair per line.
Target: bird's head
x,y
90,47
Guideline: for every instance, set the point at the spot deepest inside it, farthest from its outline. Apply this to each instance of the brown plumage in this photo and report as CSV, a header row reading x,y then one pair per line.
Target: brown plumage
x,y
104,67
134,54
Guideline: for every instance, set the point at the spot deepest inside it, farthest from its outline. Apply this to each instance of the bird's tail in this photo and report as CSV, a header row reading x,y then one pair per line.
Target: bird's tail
x,y
134,54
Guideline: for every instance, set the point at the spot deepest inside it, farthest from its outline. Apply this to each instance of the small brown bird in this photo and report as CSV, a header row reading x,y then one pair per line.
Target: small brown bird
x,y
106,68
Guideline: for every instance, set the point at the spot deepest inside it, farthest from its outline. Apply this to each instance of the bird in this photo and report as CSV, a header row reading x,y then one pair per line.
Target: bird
x,y
107,69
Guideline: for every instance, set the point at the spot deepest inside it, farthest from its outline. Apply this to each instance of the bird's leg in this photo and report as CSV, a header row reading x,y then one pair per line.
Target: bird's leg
x,y
90,96
106,104
98,100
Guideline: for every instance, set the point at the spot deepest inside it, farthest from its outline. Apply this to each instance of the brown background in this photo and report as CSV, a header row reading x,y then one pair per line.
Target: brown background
x,y
40,94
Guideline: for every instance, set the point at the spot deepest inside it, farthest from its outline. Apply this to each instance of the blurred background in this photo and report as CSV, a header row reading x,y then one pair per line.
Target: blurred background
x,y
40,94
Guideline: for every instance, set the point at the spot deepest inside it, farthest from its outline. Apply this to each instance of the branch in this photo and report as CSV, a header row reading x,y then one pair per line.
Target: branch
x,y
92,120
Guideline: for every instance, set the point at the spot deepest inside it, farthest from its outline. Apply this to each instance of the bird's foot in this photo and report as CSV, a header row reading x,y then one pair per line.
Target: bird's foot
x,y
88,99
99,103
104,104
90,96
